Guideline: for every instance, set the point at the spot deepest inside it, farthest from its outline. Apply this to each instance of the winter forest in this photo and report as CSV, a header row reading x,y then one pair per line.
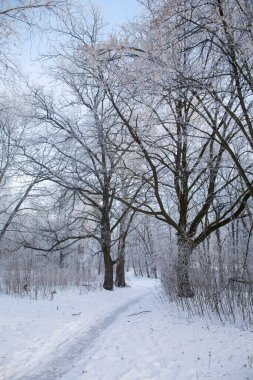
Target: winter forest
x,y
126,164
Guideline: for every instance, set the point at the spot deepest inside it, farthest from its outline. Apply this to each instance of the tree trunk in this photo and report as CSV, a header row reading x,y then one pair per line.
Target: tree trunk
x,y
147,269
99,263
220,258
108,278
140,269
120,272
120,269
183,262
61,259
133,263
154,272
106,250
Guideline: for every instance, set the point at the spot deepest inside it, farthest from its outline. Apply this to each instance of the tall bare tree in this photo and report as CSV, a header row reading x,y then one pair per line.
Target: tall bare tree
x,y
81,145
187,173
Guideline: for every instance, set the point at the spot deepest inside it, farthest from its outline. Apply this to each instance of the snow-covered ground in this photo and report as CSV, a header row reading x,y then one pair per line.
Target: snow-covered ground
x,y
127,334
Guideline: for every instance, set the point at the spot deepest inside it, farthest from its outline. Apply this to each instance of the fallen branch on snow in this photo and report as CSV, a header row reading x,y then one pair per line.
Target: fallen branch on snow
x,y
144,311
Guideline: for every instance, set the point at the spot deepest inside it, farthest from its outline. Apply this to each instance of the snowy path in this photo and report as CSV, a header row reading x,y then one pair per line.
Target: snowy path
x,y
72,349
127,334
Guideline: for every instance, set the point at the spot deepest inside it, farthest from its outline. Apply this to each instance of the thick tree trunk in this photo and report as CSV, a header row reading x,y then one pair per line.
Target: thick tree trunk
x,y
106,250
120,272
108,277
183,262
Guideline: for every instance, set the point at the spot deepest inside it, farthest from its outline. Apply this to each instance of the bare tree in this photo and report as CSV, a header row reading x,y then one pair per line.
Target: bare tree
x,y
222,75
169,105
187,173
17,16
81,146
15,185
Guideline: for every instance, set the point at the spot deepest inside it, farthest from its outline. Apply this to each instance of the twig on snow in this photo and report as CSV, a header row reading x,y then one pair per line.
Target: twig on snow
x,y
144,311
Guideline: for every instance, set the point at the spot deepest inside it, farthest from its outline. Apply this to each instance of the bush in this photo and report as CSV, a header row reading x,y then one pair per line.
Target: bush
x,y
26,274
231,300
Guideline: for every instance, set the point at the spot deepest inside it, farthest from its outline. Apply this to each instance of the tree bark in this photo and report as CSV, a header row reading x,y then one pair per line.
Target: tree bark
x,y
220,258
106,250
108,277
99,263
120,272
147,269
133,263
61,259
120,281
183,262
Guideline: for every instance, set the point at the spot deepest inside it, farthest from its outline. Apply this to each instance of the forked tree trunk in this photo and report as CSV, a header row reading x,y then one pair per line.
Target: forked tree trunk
x,y
183,263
